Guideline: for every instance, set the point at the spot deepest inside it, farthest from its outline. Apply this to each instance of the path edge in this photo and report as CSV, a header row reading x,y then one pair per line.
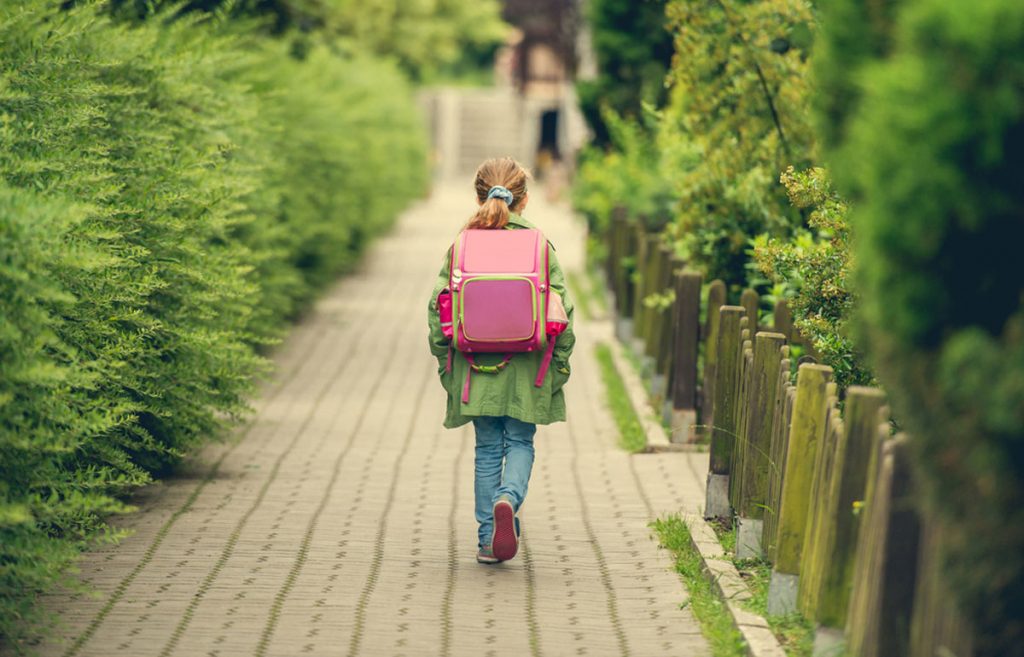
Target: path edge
x,y
656,438
731,589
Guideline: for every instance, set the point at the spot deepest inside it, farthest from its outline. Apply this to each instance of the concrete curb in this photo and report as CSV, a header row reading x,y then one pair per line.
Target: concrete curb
x,y
731,588
657,439
718,568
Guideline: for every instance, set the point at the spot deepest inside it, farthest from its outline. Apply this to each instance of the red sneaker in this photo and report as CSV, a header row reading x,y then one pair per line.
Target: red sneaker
x,y
505,540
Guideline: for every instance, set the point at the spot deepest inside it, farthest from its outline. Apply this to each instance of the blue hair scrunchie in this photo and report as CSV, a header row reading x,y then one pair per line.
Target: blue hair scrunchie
x,y
501,192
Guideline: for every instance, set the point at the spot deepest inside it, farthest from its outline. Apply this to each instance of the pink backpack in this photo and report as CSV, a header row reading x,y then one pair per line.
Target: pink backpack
x,y
498,299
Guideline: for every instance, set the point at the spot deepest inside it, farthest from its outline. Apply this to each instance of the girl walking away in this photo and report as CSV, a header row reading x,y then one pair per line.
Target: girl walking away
x,y
501,329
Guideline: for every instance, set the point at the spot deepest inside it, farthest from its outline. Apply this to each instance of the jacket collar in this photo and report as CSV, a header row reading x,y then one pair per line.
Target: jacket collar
x,y
517,221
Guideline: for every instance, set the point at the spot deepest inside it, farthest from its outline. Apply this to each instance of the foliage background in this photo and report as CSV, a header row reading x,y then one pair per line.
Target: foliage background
x,y
429,39
923,115
704,165
814,268
740,83
633,51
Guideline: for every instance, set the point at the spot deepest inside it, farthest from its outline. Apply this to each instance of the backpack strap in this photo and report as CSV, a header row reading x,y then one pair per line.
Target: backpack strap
x,y
545,362
549,351
487,369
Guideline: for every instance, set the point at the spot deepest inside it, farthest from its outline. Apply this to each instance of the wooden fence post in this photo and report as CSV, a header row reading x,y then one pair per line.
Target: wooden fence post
x,y
661,323
612,264
658,266
878,622
686,326
638,278
650,285
783,319
810,553
784,324
613,243
806,433
715,301
629,260
857,596
723,431
757,438
847,485
781,417
750,300
666,340
746,367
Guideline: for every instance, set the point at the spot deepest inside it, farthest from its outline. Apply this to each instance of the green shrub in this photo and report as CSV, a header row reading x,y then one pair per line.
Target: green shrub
x,y
349,153
628,175
48,416
169,195
427,39
814,269
930,147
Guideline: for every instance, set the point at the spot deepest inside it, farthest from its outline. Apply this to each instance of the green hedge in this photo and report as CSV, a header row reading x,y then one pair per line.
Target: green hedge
x,y
925,123
170,194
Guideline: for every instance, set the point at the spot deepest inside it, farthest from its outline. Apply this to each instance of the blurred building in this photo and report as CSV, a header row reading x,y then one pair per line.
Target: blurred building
x,y
531,112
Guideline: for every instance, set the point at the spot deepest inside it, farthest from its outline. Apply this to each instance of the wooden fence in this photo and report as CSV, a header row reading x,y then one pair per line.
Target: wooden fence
x,y
819,488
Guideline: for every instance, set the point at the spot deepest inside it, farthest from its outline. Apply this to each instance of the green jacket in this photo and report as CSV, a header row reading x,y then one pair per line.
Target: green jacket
x,y
511,391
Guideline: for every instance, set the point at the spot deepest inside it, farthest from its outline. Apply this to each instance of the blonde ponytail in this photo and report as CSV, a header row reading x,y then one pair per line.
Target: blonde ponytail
x,y
493,213
500,188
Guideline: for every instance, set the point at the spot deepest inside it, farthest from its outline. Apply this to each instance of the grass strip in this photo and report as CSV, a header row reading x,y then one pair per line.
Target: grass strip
x,y
794,632
715,622
631,432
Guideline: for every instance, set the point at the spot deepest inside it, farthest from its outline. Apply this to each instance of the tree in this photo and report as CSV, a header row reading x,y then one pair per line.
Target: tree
x,y
739,93
633,49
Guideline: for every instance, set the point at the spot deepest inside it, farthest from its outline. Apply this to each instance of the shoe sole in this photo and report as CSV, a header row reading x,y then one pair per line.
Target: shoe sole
x,y
505,543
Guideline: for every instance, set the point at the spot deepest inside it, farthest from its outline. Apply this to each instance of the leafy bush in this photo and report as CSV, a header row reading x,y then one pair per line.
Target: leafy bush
x,y
169,195
815,269
740,89
929,145
628,175
426,39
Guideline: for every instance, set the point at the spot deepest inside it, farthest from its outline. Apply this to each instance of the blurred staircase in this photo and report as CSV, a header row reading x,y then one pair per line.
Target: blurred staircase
x,y
470,125
490,124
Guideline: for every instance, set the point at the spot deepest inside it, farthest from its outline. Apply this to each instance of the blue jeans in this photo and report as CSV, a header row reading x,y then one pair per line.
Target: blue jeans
x,y
501,439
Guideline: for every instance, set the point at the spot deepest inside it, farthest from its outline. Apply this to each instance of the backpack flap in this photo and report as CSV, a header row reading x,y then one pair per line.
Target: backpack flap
x,y
499,281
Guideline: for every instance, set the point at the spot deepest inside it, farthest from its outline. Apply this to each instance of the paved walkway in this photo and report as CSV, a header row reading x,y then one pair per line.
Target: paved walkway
x,y
340,522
